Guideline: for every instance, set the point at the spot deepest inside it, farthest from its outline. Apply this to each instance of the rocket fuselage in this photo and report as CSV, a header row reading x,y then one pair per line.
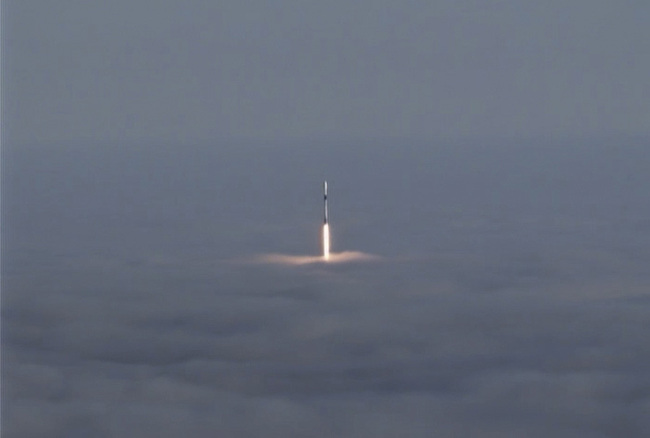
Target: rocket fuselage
x,y
325,218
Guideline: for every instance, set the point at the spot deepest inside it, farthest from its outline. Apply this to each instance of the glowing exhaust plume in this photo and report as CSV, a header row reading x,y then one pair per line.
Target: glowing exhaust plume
x,y
326,241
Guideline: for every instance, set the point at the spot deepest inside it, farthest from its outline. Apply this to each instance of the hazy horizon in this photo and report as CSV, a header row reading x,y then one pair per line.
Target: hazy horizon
x,y
162,169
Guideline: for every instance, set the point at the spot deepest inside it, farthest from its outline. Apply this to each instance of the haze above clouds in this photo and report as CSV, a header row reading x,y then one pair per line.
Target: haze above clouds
x,y
170,72
493,155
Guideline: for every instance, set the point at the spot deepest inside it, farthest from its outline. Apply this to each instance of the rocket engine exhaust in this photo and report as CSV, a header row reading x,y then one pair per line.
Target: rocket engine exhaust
x,y
331,258
326,241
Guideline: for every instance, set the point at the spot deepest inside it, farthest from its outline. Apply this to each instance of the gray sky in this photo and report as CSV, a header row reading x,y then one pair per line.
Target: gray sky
x,y
495,155
166,71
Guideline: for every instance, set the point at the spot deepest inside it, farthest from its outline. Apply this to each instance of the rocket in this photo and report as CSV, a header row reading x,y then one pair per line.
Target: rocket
x,y
326,226
325,202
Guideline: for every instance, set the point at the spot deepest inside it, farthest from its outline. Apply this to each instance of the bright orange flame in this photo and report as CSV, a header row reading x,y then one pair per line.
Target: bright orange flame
x,y
326,241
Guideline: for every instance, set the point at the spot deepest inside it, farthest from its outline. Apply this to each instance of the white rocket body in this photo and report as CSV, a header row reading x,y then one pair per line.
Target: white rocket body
x,y
325,219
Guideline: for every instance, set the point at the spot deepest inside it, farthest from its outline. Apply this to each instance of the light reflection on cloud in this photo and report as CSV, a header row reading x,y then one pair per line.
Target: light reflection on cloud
x,y
334,257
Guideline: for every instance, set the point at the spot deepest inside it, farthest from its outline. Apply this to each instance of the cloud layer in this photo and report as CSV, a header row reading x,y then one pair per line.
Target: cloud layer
x,y
372,350
511,297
